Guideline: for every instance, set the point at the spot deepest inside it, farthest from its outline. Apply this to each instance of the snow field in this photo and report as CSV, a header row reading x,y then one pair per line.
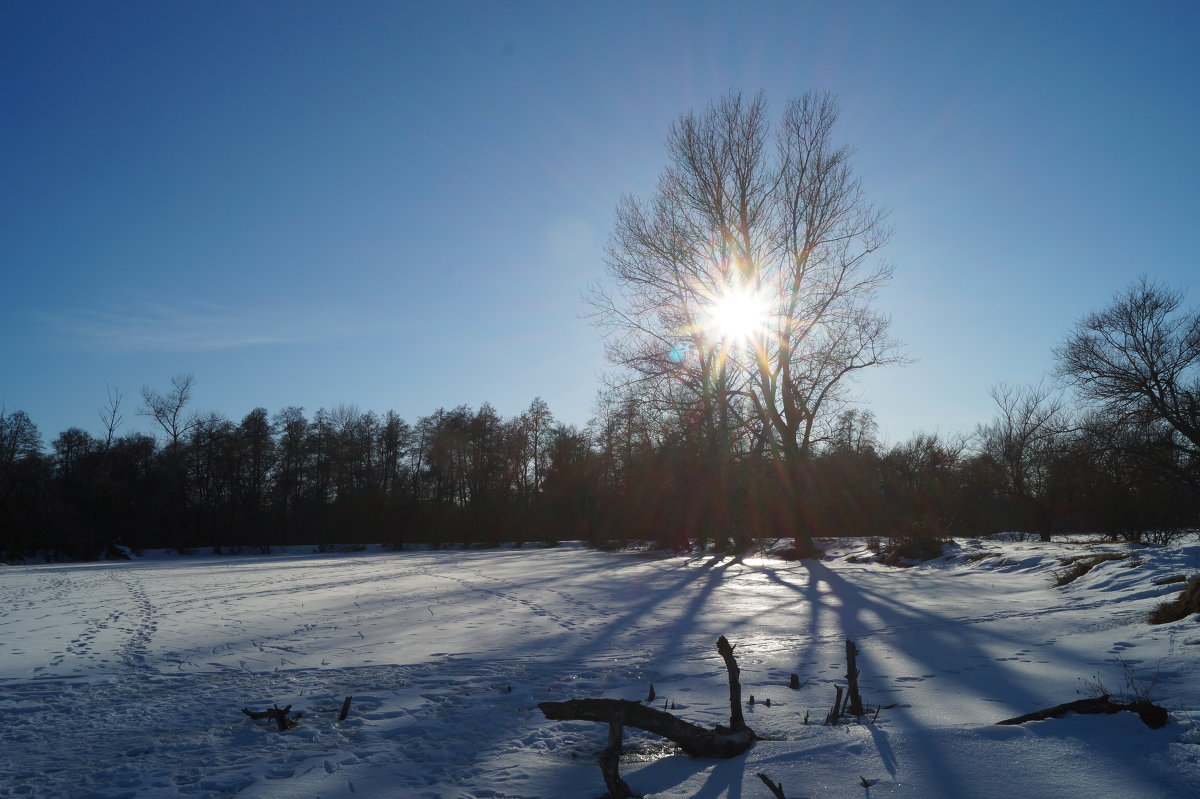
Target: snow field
x,y
127,679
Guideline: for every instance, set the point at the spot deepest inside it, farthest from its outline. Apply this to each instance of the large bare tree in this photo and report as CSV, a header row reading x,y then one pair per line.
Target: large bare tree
x,y
1138,361
743,286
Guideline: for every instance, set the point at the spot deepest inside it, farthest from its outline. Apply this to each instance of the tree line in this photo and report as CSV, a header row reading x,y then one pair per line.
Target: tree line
x,y
1120,456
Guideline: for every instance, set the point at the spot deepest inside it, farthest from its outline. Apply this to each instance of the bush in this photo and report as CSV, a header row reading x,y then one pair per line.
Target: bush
x,y
913,548
1083,564
921,540
1187,603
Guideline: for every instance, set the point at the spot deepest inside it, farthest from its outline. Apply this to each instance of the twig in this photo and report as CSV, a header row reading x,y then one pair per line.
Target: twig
x,y
775,787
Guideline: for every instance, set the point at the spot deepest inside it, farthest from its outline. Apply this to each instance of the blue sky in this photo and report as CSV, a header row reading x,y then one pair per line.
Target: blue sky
x,y
399,205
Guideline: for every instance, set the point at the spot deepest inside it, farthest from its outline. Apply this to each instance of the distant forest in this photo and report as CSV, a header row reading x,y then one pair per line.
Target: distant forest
x,y
342,477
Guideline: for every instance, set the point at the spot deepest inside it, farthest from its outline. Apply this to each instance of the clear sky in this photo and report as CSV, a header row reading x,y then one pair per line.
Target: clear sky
x,y
399,204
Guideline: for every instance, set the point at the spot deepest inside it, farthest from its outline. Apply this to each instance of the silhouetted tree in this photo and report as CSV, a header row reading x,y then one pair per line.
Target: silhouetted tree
x,y
169,410
111,416
292,430
1139,361
784,227
1024,440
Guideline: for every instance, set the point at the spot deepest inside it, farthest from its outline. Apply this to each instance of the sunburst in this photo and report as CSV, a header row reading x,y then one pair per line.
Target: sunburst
x,y
737,315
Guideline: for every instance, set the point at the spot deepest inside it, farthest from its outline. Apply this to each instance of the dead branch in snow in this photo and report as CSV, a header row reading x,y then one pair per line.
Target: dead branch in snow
x,y
276,714
775,787
693,739
1153,715
697,741
854,705
737,722
835,713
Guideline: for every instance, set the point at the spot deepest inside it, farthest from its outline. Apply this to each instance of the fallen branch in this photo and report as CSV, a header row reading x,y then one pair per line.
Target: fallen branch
x,y
1154,716
693,739
737,722
697,741
276,714
345,709
775,787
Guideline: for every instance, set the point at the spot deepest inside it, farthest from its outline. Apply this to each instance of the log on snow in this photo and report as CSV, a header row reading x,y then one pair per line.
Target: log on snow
x,y
1154,716
697,741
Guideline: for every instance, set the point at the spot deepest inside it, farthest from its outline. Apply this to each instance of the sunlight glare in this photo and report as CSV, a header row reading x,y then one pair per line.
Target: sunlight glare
x,y
738,315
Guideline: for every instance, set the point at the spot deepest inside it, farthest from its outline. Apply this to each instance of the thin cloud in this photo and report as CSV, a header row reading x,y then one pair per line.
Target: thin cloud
x,y
197,327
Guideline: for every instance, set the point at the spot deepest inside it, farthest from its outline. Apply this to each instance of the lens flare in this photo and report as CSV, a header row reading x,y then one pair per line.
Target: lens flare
x,y
738,315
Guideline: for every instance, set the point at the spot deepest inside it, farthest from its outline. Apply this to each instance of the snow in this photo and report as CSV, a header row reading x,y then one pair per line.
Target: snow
x,y
127,679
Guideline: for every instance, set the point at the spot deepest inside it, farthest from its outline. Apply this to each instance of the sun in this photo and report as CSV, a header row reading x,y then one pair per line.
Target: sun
x,y
737,315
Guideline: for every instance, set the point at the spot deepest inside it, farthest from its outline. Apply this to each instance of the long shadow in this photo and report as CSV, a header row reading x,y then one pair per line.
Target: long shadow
x,y
725,777
838,608
678,579
884,747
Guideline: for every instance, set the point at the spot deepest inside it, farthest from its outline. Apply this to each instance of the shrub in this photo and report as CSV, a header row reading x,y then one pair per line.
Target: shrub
x,y
1083,564
913,548
1187,603
921,540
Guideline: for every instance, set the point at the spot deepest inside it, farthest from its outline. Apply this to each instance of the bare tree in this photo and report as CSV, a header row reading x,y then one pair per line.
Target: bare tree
x,y
1139,360
110,415
532,430
783,234
1029,431
19,437
168,410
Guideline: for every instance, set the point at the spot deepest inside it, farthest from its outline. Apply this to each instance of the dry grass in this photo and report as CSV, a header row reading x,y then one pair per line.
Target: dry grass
x,y
1187,603
1083,564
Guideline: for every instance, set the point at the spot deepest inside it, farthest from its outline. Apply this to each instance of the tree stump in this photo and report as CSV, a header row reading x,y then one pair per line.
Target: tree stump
x,y
854,705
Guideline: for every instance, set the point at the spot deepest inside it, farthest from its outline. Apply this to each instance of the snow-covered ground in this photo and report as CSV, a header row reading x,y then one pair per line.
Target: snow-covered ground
x,y
128,679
